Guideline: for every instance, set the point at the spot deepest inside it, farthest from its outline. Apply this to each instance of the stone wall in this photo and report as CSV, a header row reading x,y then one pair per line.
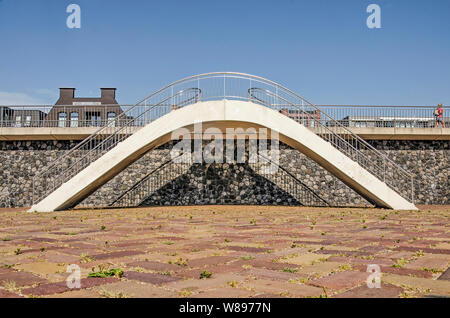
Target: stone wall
x,y
225,183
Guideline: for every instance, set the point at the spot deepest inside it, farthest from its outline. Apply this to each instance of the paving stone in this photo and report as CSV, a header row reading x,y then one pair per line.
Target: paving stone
x,y
271,274
304,259
7,294
386,291
206,261
397,270
424,249
74,293
134,289
155,279
116,255
60,287
41,268
224,292
319,269
134,236
424,285
342,280
429,262
263,286
61,258
20,278
248,249
216,281
154,266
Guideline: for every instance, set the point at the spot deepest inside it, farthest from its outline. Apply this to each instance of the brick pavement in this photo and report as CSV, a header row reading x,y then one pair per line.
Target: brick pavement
x,y
226,251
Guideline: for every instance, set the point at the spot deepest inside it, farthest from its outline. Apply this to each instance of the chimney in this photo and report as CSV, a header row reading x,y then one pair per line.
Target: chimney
x,y
67,93
108,95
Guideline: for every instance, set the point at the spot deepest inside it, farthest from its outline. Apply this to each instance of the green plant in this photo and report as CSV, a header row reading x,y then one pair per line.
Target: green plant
x,y
17,251
102,228
166,273
345,267
290,270
104,271
42,249
179,262
85,258
110,294
432,270
205,274
246,258
11,286
233,283
400,263
185,293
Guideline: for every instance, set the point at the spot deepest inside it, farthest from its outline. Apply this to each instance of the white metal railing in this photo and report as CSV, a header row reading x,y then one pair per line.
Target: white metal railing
x,y
152,182
365,116
217,86
70,116
288,182
60,116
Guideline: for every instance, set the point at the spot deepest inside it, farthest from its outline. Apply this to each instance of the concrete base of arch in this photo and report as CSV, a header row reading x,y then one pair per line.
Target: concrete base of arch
x,y
222,114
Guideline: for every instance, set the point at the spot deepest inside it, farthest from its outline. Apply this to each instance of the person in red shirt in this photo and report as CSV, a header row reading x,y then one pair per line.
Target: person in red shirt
x,y
439,114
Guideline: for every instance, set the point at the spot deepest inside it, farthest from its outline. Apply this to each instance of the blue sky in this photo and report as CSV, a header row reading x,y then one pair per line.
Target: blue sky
x,y
321,49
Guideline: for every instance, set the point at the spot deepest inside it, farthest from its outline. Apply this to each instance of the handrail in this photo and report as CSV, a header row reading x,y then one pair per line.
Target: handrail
x,y
351,142
110,137
136,184
295,178
204,87
102,144
339,125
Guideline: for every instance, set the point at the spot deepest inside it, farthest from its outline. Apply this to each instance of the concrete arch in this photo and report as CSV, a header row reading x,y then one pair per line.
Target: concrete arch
x,y
223,113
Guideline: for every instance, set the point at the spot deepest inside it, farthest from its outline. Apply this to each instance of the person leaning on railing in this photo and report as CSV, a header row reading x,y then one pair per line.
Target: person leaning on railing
x,y
439,114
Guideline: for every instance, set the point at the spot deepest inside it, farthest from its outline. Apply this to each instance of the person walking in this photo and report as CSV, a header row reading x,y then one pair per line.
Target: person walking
x,y
439,114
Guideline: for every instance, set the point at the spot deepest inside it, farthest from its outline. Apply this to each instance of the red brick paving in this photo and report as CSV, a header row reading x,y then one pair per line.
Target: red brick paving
x,y
386,291
255,251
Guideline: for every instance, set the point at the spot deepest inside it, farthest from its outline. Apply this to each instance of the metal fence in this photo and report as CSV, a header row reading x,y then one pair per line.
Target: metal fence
x,y
61,116
353,116
365,116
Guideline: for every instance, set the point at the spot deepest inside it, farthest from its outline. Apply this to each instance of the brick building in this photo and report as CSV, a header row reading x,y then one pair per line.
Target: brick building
x,y
71,111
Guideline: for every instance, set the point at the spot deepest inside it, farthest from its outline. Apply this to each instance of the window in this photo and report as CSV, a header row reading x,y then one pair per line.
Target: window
x,y
28,121
18,121
93,118
62,119
360,124
74,119
111,119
